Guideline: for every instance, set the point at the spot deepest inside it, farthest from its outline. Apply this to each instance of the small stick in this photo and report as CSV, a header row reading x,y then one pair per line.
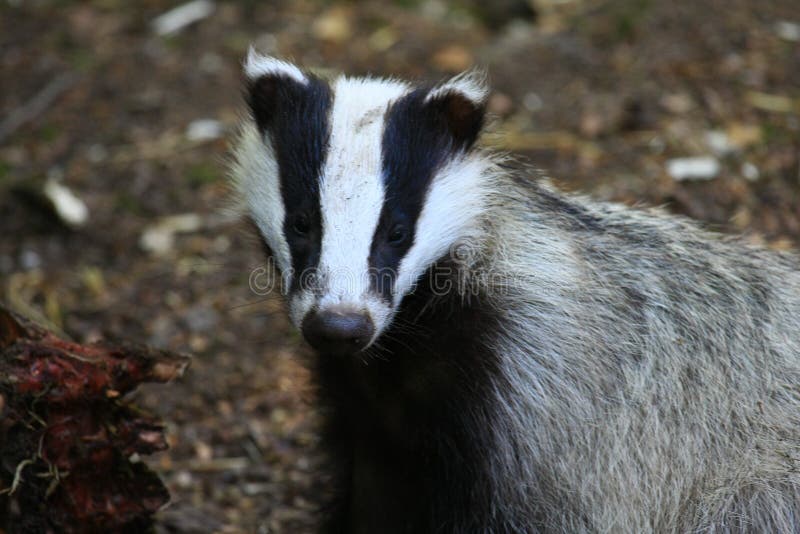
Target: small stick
x,y
36,105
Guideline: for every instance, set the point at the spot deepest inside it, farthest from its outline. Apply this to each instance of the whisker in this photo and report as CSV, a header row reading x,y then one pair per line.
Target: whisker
x,y
252,303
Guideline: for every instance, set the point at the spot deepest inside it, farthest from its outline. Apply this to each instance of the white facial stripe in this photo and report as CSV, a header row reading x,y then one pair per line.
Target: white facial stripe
x,y
258,184
299,304
351,189
257,65
444,222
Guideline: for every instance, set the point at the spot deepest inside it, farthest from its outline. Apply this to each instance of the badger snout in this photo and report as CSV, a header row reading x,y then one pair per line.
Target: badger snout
x,y
338,331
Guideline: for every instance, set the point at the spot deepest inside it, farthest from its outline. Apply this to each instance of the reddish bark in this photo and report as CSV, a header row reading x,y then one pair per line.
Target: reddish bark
x,y
68,441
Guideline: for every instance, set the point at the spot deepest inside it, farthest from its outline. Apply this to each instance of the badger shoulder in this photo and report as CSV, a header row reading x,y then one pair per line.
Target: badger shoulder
x,y
600,274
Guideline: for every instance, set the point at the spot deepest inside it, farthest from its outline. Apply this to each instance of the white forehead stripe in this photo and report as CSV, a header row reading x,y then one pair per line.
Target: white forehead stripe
x,y
257,65
351,189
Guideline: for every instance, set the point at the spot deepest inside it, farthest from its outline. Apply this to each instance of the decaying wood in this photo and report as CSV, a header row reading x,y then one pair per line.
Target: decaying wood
x,y
69,443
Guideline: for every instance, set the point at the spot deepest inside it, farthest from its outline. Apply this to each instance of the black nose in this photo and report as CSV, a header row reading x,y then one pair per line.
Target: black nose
x,y
338,332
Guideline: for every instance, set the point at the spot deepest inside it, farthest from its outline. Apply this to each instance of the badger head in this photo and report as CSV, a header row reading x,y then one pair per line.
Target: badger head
x,y
357,186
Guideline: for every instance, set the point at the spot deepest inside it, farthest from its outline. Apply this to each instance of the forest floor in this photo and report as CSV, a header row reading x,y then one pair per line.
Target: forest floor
x,y
601,95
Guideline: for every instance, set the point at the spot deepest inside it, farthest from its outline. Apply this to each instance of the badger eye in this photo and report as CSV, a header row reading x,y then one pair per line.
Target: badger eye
x,y
397,236
300,225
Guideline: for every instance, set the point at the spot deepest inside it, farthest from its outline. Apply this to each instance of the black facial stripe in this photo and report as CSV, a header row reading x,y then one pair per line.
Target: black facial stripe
x,y
415,144
296,118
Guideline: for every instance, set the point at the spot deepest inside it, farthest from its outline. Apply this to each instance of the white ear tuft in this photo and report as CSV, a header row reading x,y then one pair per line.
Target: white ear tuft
x,y
256,66
471,84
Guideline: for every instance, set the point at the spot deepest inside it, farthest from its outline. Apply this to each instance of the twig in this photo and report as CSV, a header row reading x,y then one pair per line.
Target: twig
x,y
36,105
213,465
18,474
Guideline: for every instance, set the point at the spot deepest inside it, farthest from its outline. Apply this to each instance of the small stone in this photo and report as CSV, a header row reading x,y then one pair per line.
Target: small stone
x,y
221,244
788,31
159,238
657,144
184,479
699,168
203,451
67,205
97,153
204,130
435,10
211,63
719,143
592,124
201,319
30,259
532,102
256,488
750,171
678,103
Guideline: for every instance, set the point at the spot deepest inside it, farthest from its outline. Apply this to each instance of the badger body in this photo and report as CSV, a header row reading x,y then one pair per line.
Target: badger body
x,y
496,356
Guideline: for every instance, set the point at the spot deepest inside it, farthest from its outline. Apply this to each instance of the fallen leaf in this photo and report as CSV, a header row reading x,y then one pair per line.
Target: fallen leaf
x,y
333,25
453,58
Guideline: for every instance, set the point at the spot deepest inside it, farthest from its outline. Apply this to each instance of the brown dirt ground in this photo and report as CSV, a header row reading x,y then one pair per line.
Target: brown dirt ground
x,y
599,93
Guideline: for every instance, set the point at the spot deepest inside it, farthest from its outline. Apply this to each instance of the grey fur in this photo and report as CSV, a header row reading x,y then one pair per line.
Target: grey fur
x,y
650,370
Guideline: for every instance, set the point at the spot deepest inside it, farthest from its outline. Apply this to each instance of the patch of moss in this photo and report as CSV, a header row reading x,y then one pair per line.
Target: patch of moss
x,y
201,174
772,133
5,171
616,22
408,4
128,203
237,42
48,132
82,59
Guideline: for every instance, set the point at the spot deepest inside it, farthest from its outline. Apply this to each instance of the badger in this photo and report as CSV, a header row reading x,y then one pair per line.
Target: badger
x,y
493,355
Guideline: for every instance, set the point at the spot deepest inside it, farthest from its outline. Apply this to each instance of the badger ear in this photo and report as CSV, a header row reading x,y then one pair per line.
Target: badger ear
x,y
461,103
268,80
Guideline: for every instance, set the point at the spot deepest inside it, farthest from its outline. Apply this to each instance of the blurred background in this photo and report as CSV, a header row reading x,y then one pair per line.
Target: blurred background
x,y
115,123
